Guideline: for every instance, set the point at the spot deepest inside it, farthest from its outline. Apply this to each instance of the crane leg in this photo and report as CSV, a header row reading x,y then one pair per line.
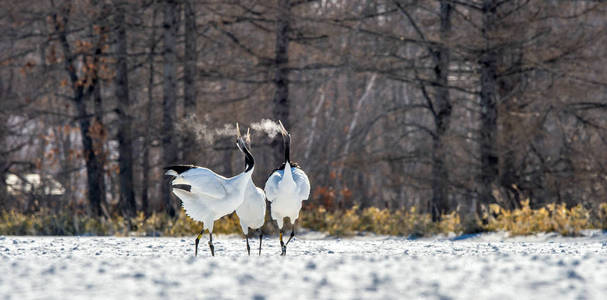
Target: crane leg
x,y
198,240
260,238
292,235
283,247
248,247
211,244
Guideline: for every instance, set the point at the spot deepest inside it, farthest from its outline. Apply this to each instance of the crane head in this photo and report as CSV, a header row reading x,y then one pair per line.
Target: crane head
x,y
242,144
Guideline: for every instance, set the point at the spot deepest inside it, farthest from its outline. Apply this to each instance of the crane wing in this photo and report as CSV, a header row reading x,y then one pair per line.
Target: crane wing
x,y
196,206
203,182
300,178
271,187
302,182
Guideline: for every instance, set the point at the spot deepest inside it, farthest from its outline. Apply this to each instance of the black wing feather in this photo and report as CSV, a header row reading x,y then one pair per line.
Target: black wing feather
x,y
180,168
185,187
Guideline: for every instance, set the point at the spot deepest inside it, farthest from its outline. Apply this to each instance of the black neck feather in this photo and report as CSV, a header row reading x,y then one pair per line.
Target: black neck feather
x,y
249,162
284,164
287,143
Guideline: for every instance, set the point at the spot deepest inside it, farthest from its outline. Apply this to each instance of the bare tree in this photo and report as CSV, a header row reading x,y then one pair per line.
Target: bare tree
x,y
82,86
169,102
443,105
125,138
281,77
488,103
147,137
189,76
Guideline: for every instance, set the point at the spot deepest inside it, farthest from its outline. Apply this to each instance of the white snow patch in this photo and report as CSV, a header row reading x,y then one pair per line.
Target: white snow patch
x,y
376,267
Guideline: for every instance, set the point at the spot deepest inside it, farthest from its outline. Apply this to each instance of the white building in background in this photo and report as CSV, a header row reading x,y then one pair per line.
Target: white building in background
x,y
33,183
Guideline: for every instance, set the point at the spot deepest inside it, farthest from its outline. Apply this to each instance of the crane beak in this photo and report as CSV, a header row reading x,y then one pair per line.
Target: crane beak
x,y
283,131
286,137
240,141
247,137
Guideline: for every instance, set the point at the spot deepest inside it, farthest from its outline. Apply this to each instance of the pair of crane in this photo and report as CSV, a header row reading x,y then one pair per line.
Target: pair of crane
x,y
207,196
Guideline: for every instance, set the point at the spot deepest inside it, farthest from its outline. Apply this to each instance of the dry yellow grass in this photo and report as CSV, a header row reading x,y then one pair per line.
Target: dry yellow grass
x,y
551,218
403,222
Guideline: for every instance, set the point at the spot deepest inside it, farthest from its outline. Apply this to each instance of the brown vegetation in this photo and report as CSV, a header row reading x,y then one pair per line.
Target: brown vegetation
x,y
454,108
409,223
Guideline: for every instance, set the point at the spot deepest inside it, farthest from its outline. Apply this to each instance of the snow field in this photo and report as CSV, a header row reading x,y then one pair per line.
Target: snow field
x,y
357,268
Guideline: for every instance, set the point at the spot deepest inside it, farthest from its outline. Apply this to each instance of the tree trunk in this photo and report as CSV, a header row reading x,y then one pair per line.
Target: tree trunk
x,y
3,190
147,139
317,109
94,171
5,92
227,162
442,115
339,183
189,80
510,88
4,167
125,139
99,138
169,102
488,103
281,76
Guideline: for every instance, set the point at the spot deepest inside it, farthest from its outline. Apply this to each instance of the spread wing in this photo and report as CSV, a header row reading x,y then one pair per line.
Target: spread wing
x,y
203,182
302,182
196,206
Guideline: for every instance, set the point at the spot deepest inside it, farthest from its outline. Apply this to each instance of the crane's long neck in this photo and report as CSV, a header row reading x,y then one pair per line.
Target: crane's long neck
x,y
287,143
242,179
249,162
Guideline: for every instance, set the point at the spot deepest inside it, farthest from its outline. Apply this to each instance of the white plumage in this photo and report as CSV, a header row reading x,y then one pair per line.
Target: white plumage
x,y
286,189
207,196
211,195
252,211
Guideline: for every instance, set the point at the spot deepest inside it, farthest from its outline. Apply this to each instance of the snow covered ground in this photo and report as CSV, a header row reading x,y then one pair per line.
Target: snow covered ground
x,y
481,267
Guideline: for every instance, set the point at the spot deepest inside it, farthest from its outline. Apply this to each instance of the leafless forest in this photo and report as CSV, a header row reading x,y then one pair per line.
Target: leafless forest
x,y
443,105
